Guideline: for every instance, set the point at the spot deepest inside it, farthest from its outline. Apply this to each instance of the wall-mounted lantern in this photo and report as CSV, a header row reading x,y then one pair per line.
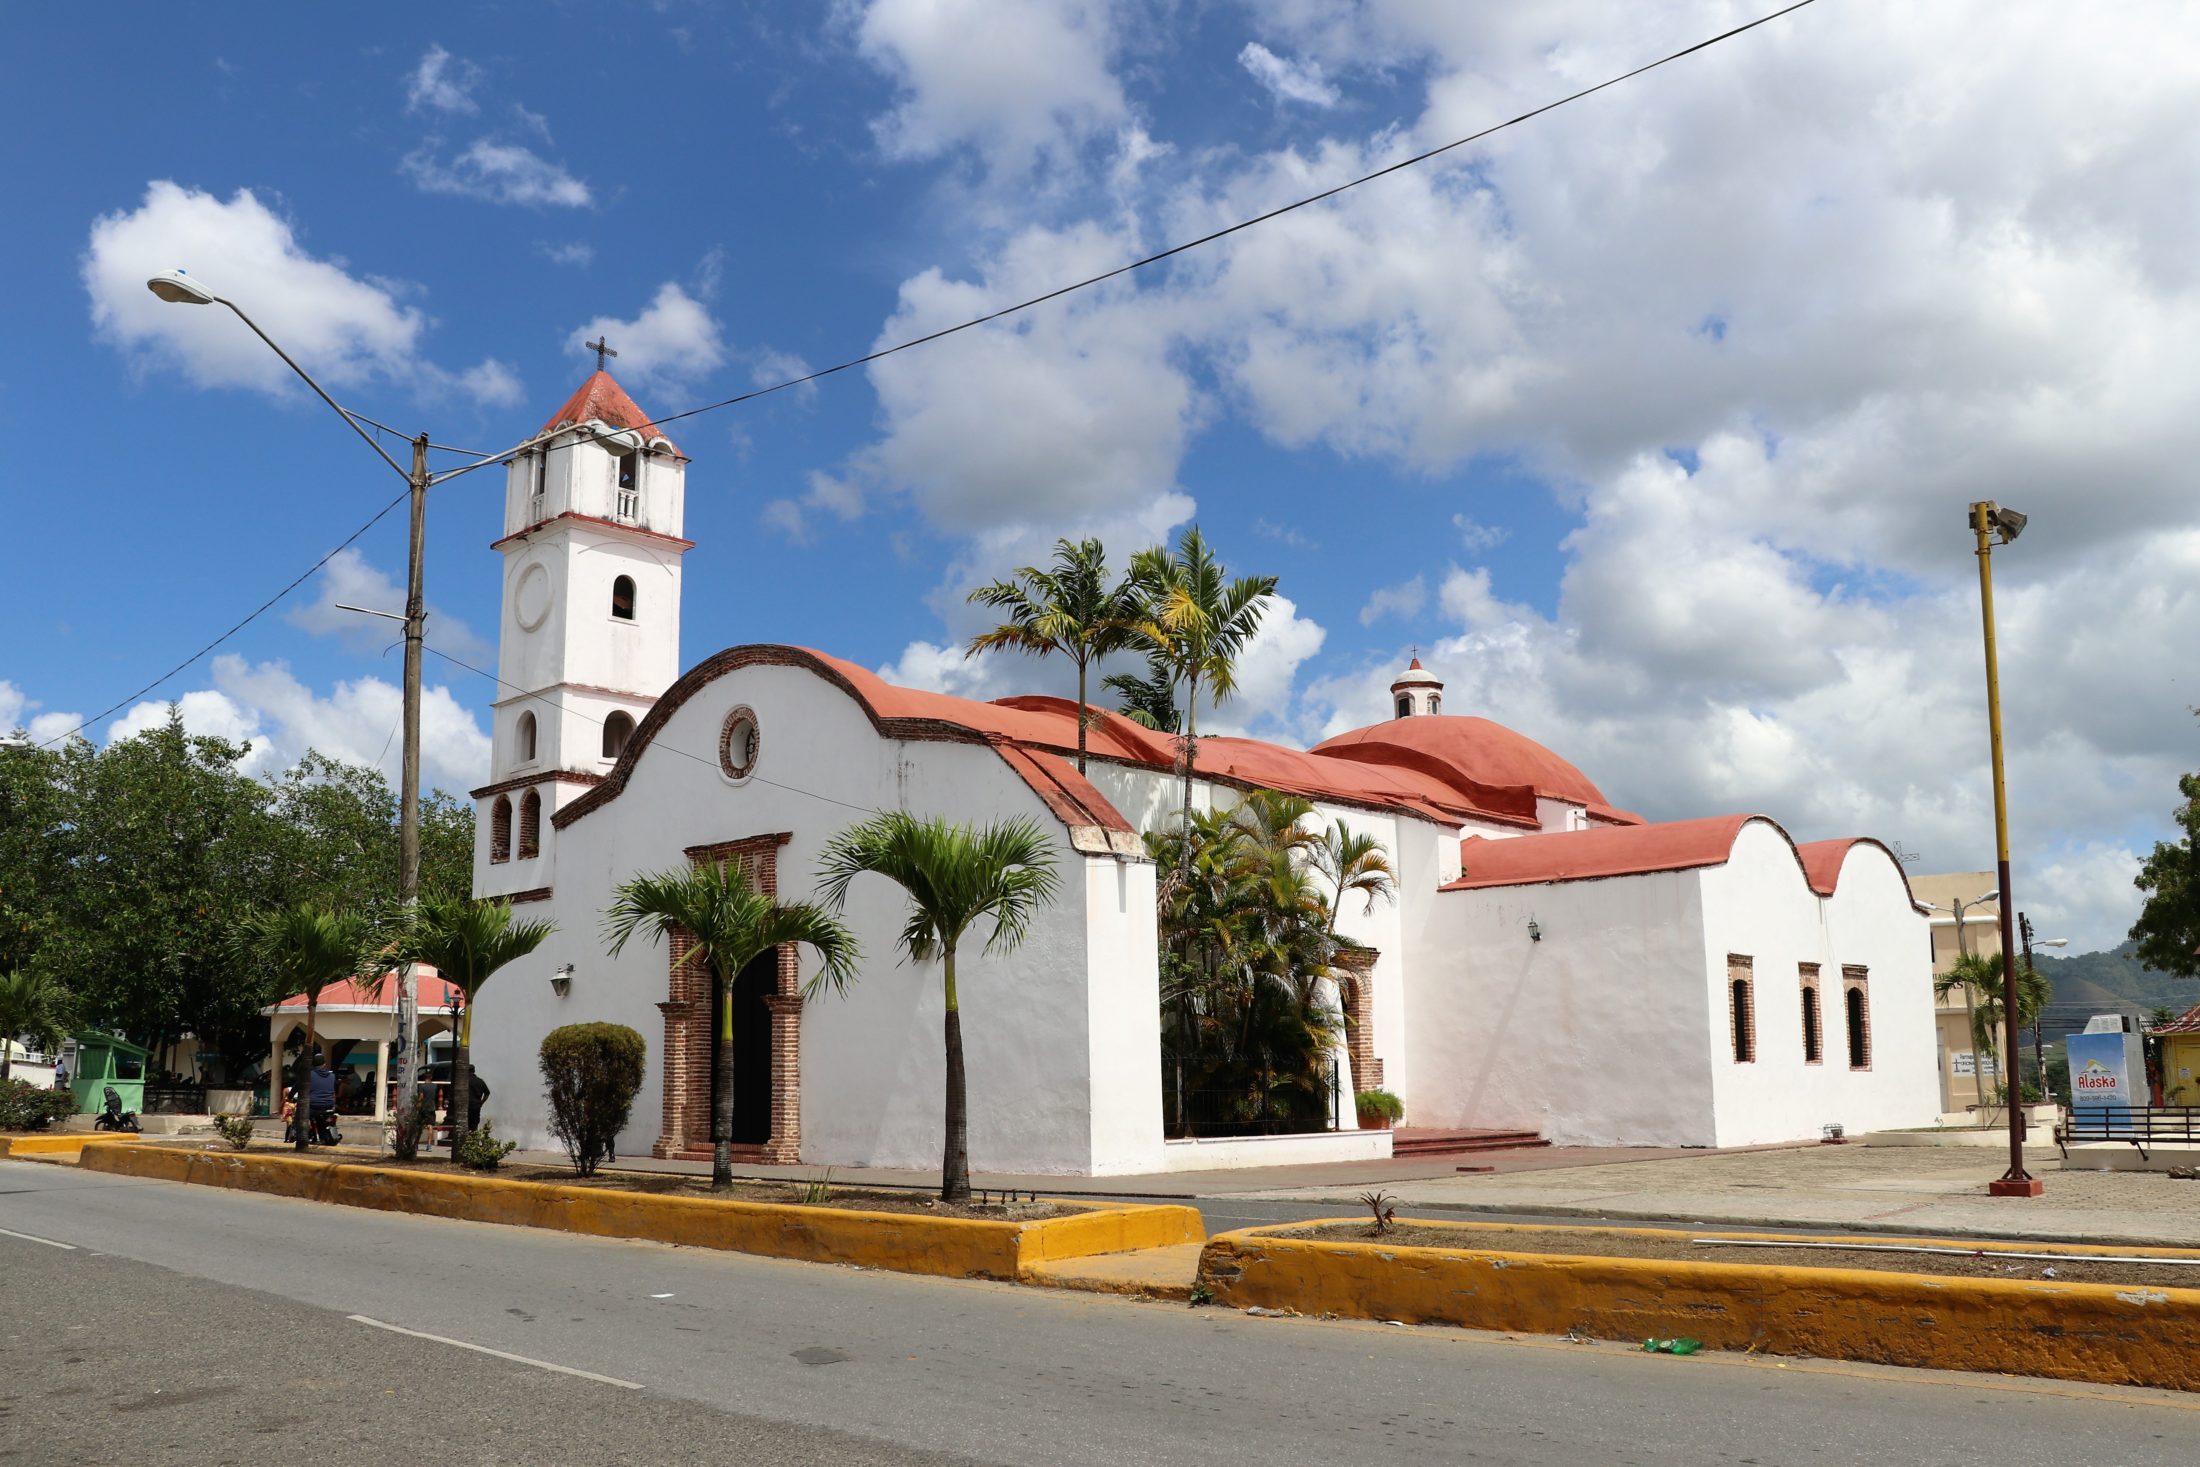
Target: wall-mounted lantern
x,y
1535,930
561,979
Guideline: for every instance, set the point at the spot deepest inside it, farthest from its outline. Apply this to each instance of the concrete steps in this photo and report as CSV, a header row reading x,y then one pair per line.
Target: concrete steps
x,y
1428,1141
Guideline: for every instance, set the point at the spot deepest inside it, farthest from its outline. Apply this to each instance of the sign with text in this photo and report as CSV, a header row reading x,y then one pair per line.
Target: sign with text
x,y
1966,1063
2099,1072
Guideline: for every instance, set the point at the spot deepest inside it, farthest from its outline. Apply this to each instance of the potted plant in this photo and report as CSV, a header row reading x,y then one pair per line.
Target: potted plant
x,y
1379,1109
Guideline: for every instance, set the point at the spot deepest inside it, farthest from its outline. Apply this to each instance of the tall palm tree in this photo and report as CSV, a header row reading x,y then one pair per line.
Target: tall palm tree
x,y
955,877
30,1003
1353,861
1200,621
731,924
1983,976
303,949
1074,608
466,942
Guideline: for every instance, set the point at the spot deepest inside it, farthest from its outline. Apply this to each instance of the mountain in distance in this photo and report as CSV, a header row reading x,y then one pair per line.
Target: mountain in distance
x,y
2112,981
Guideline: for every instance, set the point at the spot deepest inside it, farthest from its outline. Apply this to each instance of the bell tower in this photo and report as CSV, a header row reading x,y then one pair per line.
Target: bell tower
x,y
1417,692
589,632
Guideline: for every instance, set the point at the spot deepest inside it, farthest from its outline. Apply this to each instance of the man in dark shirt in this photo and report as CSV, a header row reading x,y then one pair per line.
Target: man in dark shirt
x,y
322,1091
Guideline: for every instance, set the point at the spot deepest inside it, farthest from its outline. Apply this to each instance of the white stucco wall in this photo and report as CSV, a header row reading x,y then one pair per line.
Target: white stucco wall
x,y
1759,905
1593,1035
1063,1071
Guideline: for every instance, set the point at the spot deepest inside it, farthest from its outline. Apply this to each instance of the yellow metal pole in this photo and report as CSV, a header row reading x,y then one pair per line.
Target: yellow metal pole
x,y
2016,1182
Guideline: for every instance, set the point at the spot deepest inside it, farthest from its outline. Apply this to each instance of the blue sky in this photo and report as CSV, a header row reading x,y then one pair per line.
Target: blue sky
x,y
1473,409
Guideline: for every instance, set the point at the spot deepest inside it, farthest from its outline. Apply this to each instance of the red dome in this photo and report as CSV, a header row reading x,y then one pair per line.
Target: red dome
x,y
1475,749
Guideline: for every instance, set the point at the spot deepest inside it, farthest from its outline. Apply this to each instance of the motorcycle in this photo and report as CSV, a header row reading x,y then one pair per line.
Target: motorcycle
x,y
114,1117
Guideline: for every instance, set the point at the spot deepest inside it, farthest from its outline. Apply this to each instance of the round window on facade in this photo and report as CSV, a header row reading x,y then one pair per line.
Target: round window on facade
x,y
737,744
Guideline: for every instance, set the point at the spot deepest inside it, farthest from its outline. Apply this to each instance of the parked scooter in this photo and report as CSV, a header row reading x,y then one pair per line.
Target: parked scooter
x,y
114,1117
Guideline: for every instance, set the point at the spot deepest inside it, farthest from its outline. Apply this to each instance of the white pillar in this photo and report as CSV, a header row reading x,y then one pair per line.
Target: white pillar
x,y
382,1079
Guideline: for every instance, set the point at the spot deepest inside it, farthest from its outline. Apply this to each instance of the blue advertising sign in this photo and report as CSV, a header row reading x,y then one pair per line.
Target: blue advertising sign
x,y
2098,1075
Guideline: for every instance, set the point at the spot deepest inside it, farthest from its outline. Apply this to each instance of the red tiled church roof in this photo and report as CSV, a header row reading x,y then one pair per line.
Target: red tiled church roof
x,y
435,995
1585,855
1478,751
601,400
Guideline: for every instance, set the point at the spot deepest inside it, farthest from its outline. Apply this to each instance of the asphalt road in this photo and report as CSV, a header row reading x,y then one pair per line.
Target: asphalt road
x,y
201,1326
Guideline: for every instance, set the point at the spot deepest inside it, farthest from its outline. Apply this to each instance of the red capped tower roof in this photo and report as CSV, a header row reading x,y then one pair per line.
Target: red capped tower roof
x,y
602,400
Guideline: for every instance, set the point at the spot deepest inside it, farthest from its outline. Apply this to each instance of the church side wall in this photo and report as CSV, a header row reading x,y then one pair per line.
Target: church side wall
x,y
871,1061
1593,1036
1759,905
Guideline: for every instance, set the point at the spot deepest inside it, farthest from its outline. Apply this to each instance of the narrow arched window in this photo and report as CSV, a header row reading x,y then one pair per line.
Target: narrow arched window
x,y
1435,703
617,729
1744,1021
1405,706
500,830
628,477
1814,1044
622,598
530,826
1857,1009
524,739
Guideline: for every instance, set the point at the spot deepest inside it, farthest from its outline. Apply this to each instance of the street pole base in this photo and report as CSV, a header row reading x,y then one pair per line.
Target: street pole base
x,y
2016,1187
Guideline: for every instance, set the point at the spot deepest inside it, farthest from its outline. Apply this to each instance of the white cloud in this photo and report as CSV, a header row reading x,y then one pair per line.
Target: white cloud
x,y
573,252
1287,81
1020,82
1267,673
266,707
1403,601
344,329
671,343
496,172
442,83
18,710
348,580
1478,537
836,497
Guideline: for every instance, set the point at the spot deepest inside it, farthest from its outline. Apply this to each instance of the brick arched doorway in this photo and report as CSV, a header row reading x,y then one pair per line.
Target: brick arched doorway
x,y
768,1127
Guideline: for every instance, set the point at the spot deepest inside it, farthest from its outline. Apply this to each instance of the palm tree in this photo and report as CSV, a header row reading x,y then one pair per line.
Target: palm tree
x,y
1072,609
1148,701
954,876
1200,622
30,1003
1353,862
1983,975
466,942
303,949
731,924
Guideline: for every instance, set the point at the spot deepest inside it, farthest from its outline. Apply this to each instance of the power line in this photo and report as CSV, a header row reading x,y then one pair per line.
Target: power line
x,y
255,615
975,321
1225,232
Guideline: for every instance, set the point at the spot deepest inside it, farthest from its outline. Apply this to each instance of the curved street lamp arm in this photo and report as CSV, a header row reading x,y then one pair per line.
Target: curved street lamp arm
x,y
319,391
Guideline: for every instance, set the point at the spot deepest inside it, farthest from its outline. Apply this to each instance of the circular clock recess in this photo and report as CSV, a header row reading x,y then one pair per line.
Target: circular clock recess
x,y
531,599
738,743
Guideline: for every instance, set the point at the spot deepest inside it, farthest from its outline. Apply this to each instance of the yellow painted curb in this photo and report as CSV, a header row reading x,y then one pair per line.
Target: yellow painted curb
x,y
2090,1332
64,1145
900,1242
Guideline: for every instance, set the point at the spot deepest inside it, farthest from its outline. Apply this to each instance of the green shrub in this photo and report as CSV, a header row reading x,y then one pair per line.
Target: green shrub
x,y
1379,1103
236,1130
28,1107
591,1073
481,1151
407,1129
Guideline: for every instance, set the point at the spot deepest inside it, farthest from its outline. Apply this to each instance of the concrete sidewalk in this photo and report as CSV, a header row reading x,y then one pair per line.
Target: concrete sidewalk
x,y
1864,1188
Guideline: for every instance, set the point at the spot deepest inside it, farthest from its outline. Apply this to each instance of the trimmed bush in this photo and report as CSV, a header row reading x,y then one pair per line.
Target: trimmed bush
x,y
28,1107
479,1149
236,1130
591,1072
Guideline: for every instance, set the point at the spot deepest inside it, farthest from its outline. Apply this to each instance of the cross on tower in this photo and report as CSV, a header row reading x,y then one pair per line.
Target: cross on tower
x,y
597,346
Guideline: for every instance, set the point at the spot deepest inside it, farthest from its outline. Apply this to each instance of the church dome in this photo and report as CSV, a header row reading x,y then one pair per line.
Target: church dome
x,y
1416,676
1475,749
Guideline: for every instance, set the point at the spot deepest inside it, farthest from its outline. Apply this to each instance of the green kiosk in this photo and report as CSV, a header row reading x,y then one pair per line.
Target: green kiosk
x,y
102,1060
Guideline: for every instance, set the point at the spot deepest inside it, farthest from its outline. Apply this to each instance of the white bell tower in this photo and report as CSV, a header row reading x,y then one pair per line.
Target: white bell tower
x,y
1417,692
589,633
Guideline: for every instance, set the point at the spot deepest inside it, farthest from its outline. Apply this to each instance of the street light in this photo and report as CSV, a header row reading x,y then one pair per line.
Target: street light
x,y
179,289
1955,908
1989,523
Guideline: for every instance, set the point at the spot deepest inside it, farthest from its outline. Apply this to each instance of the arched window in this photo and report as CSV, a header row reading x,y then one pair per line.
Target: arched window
x,y
1814,1034
1405,705
1745,1022
524,739
1857,1008
1435,703
617,729
500,831
628,477
530,826
622,598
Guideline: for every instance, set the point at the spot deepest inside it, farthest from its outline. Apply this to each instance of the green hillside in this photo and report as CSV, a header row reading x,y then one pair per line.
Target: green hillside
x,y
2114,981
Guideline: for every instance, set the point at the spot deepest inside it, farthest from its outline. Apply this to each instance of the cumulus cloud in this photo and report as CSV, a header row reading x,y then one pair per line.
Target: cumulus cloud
x,y
1476,536
344,328
20,712
495,172
266,707
1019,82
349,580
672,342
1287,81
834,496
1403,601
442,83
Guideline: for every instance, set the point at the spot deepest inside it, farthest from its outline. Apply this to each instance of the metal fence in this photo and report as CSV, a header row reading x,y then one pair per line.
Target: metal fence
x,y
1252,1110
2141,1125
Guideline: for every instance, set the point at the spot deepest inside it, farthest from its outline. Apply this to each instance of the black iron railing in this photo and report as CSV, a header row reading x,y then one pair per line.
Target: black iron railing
x,y
2141,1125
185,1099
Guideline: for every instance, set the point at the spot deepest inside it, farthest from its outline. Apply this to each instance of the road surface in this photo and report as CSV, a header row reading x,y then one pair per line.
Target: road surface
x,y
193,1325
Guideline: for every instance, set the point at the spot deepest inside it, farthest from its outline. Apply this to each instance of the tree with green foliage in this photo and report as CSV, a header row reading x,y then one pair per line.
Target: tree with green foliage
x,y
730,924
1354,863
954,877
466,942
1149,699
1200,621
303,949
33,1005
1983,975
591,1074
2168,929
1073,607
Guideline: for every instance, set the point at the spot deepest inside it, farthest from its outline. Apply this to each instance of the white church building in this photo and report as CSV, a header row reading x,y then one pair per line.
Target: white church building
x,y
1552,963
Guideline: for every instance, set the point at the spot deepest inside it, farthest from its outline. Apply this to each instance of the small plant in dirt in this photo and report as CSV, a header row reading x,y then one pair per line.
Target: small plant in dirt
x,y
1201,1294
235,1130
819,1189
28,1107
407,1127
591,1073
1385,1210
479,1150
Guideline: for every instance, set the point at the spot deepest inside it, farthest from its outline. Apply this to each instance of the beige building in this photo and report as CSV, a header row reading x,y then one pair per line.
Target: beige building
x,y
1967,1078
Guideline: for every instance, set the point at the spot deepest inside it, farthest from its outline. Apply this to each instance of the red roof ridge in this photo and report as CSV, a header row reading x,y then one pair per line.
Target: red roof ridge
x,y
602,400
1587,855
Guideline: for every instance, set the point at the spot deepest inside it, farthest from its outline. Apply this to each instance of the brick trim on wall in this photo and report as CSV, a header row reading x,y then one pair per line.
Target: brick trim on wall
x,y
1354,969
532,894
1809,997
1856,979
1741,1008
500,831
522,781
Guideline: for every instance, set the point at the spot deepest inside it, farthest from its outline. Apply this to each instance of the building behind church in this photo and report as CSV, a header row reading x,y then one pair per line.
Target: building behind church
x,y
1553,963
